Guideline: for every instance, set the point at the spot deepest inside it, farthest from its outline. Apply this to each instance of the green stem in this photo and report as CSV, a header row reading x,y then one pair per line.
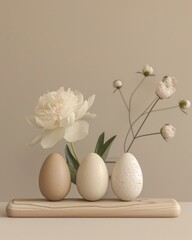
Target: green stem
x,y
74,152
149,134
142,124
129,108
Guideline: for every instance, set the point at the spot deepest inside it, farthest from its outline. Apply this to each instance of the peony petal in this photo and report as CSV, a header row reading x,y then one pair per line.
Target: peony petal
x,y
82,111
77,131
89,115
45,124
36,139
59,91
71,119
66,122
51,137
90,101
32,122
80,98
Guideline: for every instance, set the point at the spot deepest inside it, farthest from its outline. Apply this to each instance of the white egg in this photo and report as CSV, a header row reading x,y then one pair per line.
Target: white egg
x,y
54,178
92,177
127,178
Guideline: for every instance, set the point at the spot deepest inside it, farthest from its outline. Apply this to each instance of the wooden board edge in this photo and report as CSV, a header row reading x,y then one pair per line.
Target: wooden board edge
x,y
13,211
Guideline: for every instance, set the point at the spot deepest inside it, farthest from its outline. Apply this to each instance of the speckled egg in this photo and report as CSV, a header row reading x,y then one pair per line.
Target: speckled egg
x,y
54,178
92,177
127,178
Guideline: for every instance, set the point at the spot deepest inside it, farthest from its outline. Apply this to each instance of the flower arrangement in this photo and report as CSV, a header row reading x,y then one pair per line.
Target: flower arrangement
x,y
63,115
164,90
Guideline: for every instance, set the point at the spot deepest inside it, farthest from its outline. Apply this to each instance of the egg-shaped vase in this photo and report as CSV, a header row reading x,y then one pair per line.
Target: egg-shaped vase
x,y
127,178
54,178
92,177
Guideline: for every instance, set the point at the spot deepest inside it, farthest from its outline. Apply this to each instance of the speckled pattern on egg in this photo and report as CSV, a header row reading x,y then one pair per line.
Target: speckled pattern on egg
x,y
127,178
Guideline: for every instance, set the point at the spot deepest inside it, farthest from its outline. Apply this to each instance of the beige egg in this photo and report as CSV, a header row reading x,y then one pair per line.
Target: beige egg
x,y
92,177
54,178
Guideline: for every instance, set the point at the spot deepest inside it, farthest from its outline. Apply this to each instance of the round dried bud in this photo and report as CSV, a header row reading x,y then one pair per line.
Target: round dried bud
x,y
184,104
148,71
117,84
164,90
168,131
170,80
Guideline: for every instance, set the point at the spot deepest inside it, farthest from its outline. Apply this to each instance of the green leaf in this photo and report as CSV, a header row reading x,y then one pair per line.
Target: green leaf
x,y
73,173
102,148
106,147
100,143
70,157
72,163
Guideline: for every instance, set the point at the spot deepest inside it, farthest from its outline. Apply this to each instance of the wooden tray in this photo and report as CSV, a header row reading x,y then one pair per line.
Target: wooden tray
x,y
140,208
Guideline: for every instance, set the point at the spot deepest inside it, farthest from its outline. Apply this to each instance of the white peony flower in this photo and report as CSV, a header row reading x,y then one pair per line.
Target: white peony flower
x,y
117,84
61,114
168,131
148,71
170,81
165,90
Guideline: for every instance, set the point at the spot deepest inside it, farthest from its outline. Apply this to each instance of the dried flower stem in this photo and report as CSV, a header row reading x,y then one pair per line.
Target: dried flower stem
x,y
144,112
149,134
121,94
162,109
130,101
142,123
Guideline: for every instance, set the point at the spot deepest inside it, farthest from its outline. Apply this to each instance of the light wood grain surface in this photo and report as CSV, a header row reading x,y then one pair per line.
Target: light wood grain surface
x,y
105,208
178,228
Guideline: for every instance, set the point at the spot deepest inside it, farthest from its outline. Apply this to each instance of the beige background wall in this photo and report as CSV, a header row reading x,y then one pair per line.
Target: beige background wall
x,y
86,45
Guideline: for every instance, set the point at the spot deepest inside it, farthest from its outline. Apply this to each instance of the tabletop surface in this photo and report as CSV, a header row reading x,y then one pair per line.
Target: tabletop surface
x,y
98,228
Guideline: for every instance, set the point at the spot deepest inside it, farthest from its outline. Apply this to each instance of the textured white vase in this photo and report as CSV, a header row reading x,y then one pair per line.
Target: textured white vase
x,y
127,178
